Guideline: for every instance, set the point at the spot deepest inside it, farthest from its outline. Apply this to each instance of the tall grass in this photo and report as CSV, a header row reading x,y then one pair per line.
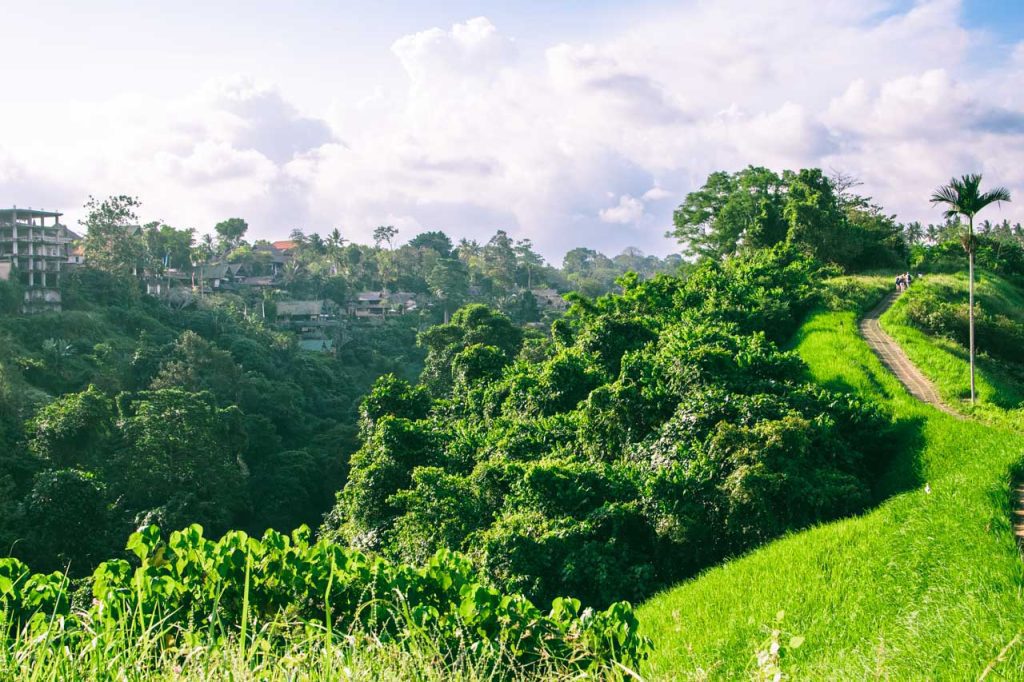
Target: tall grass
x,y
928,585
133,649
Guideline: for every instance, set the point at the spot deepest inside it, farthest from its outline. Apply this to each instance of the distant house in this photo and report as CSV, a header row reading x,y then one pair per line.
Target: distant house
x,y
300,311
285,245
311,319
276,258
162,284
403,301
76,256
221,276
549,299
368,304
382,303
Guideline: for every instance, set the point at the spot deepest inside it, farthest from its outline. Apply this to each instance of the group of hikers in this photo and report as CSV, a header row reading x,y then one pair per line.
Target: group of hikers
x,y
903,281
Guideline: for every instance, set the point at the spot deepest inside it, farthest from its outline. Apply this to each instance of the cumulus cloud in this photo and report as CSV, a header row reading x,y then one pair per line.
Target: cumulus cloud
x,y
629,210
579,143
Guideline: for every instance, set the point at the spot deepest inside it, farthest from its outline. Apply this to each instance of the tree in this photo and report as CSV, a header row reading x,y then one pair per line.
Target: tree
x,y
449,281
230,232
435,240
473,324
730,212
500,261
181,459
113,239
168,247
67,521
964,197
815,218
335,242
528,259
385,234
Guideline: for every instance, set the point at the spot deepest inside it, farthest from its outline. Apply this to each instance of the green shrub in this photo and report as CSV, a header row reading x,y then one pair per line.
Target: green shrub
x,y
196,588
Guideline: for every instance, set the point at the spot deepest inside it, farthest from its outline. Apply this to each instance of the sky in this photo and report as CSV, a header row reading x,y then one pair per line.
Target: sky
x,y
569,122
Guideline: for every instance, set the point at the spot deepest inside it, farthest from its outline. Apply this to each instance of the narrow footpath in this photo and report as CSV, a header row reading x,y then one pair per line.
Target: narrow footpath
x,y
893,357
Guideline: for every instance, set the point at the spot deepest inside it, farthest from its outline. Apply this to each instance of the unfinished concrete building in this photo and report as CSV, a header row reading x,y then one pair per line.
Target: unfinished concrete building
x,y
33,251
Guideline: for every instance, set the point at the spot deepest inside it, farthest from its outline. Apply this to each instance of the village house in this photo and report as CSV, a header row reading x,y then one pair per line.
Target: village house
x,y
221,276
274,257
550,299
381,303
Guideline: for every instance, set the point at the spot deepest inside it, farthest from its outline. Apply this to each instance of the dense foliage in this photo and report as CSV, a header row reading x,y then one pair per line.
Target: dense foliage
x,y
192,588
122,411
1003,254
656,432
756,208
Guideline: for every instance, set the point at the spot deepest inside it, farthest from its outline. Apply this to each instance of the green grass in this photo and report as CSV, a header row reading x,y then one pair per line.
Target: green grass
x,y
926,585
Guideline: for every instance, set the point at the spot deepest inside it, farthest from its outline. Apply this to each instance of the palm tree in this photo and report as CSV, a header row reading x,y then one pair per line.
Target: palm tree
x,y
964,197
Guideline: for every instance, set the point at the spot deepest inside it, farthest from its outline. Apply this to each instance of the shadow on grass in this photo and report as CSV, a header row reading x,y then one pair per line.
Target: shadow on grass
x,y
901,465
897,462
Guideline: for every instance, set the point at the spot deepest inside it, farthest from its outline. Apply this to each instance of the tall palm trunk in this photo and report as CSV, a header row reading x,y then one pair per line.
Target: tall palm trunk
x,y
970,296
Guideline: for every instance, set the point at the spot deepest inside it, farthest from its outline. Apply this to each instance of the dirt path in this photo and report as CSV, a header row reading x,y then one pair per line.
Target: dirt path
x,y
897,361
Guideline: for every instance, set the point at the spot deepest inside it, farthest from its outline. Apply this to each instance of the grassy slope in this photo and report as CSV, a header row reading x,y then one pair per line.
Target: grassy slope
x,y
924,585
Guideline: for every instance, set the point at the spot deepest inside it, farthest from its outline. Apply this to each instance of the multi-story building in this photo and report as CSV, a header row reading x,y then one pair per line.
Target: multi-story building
x,y
34,247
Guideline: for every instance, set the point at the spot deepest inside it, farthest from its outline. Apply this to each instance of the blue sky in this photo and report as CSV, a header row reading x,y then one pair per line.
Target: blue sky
x,y
570,122
1004,18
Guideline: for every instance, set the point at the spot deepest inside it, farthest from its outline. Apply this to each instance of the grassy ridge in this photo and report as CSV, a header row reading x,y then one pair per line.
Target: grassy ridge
x,y
1000,392
925,585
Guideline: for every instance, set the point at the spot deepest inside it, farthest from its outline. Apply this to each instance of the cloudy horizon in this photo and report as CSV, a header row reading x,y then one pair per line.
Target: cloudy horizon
x,y
572,124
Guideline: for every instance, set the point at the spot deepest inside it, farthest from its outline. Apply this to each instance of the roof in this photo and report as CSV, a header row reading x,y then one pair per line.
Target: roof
x,y
218,270
276,255
285,244
370,296
292,308
8,213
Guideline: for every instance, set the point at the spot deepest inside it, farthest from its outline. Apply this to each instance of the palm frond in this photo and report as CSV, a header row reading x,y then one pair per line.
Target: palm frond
x,y
996,195
963,196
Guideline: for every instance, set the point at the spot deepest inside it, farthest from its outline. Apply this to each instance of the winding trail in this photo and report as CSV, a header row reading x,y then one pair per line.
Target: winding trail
x,y
893,357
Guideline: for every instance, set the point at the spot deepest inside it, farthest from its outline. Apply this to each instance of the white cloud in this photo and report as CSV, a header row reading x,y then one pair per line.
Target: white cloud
x,y
629,210
656,194
581,143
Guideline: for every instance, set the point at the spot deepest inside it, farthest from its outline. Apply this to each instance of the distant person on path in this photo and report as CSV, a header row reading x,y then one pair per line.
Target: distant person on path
x,y
899,282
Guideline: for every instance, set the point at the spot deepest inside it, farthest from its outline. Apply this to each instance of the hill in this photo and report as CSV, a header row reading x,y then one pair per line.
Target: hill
x,y
926,584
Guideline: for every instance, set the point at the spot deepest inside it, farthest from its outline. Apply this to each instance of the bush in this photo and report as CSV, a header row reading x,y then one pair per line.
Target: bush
x,y
213,591
662,430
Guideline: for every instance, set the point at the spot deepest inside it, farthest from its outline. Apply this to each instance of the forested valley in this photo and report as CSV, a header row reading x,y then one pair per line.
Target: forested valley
x,y
485,448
